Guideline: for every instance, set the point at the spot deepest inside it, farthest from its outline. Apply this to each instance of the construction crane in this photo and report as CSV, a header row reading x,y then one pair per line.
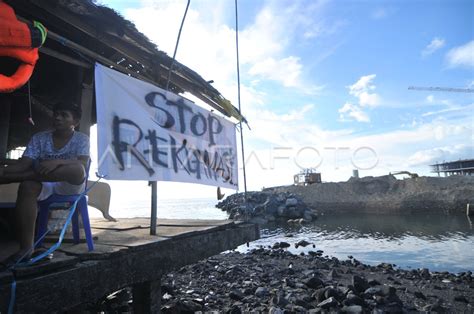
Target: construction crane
x,y
443,89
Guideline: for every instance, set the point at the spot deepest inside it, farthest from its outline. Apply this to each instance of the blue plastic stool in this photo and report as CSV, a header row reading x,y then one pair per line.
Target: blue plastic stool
x,y
61,200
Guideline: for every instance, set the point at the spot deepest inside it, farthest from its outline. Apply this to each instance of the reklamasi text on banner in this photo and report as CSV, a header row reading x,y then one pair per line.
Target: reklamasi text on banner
x,y
147,133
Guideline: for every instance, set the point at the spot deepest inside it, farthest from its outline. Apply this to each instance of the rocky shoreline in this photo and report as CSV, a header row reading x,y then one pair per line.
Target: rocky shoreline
x,y
368,195
264,207
272,280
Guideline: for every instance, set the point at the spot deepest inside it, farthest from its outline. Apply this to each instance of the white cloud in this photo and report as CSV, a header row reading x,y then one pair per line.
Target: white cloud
x,y
354,112
462,56
368,100
362,90
336,153
382,12
435,44
286,70
379,13
430,98
441,154
451,109
207,44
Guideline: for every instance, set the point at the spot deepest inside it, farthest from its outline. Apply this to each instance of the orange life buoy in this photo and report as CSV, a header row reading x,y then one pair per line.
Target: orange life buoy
x,y
20,41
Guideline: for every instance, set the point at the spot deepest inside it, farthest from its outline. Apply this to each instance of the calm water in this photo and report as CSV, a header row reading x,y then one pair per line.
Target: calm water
x,y
437,242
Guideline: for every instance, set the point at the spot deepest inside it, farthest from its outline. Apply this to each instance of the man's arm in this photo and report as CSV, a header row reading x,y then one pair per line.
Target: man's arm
x,y
22,165
48,166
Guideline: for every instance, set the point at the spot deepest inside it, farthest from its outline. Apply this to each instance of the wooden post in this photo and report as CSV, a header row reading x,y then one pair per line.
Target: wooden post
x,y
468,210
5,109
147,297
87,96
154,195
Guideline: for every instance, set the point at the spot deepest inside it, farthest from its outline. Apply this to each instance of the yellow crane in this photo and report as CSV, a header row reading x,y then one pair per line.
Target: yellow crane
x,y
443,89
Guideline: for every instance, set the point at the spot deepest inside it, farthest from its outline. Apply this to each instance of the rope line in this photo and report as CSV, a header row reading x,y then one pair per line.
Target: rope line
x,y
30,118
176,46
238,97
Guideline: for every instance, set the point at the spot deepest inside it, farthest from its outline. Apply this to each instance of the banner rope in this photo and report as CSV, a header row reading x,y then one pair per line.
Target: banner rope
x,y
238,98
176,46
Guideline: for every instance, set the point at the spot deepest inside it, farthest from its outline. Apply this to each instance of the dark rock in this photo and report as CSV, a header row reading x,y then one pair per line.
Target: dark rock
x,y
434,308
318,295
275,310
425,273
359,283
302,243
461,298
385,266
235,310
279,300
291,202
333,274
284,245
331,292
374,282
393,308
352,299
389,290
262,292
419,295
302,303
191,306
328,303
249,291
373,291
354,309
314,283
236,295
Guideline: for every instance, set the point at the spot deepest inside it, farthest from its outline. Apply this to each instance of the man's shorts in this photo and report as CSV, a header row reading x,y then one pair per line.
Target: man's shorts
x,y
61,188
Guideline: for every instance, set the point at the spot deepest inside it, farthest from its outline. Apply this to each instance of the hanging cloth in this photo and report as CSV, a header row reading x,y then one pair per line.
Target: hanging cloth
x,y
20,41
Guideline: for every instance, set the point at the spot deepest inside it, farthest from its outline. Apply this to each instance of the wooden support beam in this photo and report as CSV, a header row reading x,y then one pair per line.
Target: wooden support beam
x,y
5,110
87,97
147,297
129,51
88,277
65,58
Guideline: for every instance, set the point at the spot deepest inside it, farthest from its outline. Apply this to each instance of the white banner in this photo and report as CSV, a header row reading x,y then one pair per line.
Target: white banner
x,y
147,133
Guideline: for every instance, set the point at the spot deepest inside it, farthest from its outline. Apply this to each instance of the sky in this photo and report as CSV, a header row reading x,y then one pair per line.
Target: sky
x,y
324,84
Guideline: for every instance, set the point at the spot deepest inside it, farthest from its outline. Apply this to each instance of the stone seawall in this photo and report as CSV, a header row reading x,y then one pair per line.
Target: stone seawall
x,y
386,195
369,195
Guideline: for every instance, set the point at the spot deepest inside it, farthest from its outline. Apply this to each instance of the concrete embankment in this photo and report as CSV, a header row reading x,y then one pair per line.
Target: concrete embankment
x,y
369,195
387,195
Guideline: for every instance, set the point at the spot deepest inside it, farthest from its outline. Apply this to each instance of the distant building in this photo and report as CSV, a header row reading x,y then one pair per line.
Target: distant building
x,y
307,177
460,167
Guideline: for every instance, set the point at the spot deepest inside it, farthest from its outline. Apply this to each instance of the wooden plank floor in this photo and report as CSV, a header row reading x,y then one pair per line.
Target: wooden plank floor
x,y
125,255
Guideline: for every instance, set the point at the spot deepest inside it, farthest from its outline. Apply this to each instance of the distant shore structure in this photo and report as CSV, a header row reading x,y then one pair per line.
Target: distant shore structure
x,y
307,176
459,167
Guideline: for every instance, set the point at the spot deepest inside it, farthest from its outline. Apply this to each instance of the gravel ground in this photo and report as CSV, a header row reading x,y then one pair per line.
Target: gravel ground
x,y
276,281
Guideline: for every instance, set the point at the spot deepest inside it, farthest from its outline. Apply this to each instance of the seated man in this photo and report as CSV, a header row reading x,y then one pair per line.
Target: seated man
x,y
53,162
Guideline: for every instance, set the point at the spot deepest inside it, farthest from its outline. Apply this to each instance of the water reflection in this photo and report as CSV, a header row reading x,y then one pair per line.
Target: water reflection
x,y
437,242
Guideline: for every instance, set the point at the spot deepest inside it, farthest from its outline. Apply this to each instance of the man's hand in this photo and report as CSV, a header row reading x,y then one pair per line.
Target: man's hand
x,y
48,166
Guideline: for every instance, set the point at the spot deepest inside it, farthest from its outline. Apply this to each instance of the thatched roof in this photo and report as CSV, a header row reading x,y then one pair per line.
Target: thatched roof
x,y
102,35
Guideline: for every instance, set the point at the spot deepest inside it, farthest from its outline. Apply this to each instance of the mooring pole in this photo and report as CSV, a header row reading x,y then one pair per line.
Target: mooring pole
x,y
154,194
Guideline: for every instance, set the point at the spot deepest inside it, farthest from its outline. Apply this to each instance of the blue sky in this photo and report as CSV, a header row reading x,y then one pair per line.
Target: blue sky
x,y
325,83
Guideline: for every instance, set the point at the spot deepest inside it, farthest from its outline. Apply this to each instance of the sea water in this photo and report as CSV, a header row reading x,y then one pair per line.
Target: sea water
x,y
435,241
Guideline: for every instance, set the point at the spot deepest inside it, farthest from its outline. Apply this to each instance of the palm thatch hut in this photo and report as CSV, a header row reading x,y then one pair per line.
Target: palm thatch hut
x,y
81,33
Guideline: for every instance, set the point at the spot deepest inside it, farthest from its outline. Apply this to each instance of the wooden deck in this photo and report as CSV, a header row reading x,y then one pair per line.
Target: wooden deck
x,y
125,255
